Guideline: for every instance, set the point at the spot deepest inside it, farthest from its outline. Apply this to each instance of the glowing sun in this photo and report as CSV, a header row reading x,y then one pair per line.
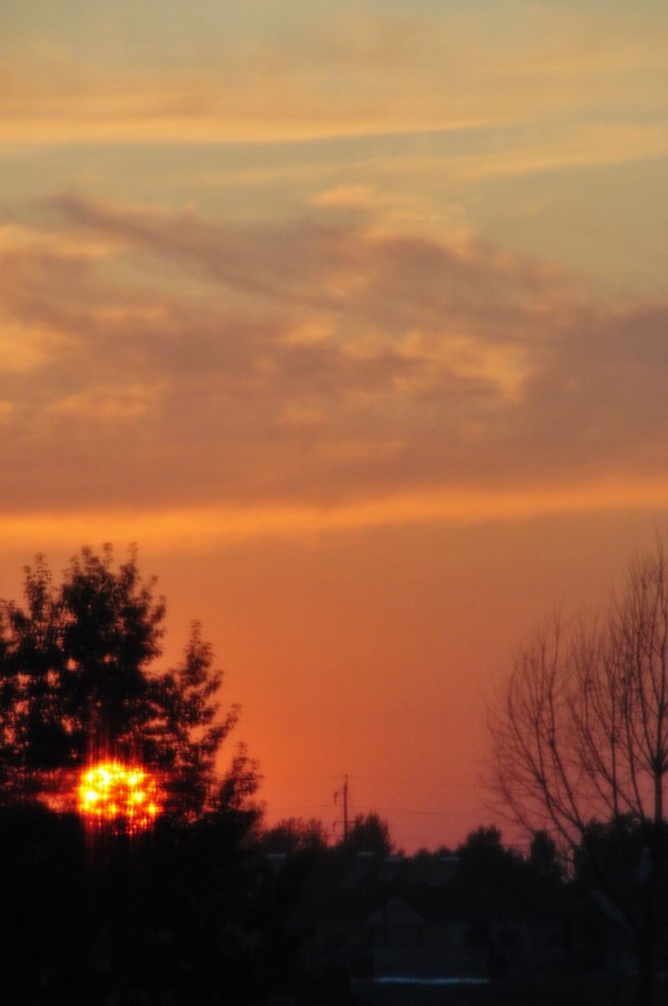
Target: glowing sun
x,y
126,796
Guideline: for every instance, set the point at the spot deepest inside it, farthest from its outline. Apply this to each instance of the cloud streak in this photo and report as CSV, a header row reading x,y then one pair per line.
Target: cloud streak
x,y
328,364
352,75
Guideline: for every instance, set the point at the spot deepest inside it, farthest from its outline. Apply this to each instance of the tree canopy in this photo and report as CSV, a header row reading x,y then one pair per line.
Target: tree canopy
x,y
78,682
184,908
370,833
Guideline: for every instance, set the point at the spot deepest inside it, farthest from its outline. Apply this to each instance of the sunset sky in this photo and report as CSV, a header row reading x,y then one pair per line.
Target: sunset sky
x,y
354,317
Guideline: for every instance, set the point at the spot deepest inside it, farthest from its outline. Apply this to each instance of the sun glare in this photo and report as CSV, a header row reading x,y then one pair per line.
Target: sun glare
x,y
124,796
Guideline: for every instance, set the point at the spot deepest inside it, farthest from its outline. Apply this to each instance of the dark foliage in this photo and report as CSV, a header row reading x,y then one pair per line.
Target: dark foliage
x,y
294,835
188,912
369,833
77,682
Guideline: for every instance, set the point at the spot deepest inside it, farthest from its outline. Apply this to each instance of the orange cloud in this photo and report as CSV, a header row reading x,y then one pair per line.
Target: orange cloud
x,y
199,528
317,367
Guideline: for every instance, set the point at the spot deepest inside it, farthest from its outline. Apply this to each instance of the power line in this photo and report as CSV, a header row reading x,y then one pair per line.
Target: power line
x,y
431,813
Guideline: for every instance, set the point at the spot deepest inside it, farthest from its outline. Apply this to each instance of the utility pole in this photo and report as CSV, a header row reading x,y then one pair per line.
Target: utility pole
x,y
343,793
345,809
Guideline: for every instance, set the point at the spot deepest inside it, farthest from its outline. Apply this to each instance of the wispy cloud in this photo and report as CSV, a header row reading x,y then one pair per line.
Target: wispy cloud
x,y
582,146
198,528
352,74
328,364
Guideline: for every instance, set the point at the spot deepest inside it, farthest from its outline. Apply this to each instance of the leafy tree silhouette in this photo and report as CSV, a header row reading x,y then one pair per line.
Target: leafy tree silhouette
x,y
77,682
174,914
369,833
295,835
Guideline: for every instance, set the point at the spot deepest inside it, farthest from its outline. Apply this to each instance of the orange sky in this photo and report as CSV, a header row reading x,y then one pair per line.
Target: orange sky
x,y
355,320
